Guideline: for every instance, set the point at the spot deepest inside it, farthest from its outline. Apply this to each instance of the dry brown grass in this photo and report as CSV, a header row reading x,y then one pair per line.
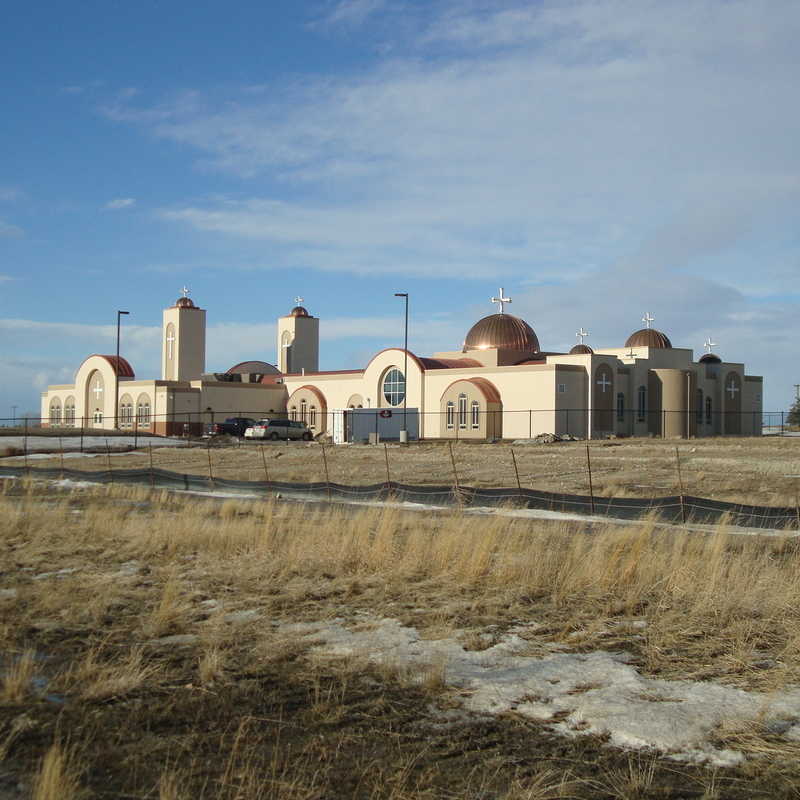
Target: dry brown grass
x,y
102,675
57,778
17,678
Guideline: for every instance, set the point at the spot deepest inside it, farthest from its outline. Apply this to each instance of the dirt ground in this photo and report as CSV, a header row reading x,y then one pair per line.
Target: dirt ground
x,y
762,470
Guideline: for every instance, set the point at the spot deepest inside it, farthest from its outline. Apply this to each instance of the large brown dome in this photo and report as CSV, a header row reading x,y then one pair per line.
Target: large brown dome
x,y
501,331
649,337
581,350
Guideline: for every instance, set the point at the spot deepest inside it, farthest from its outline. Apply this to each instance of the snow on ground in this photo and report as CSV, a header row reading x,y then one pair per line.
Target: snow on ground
x,y
45,456
579,693
54,443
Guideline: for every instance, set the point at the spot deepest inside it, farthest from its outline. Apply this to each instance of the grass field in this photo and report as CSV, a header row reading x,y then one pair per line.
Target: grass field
x,y
159,646
742,470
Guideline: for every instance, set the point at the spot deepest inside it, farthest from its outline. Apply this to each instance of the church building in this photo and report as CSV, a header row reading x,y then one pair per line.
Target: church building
x,y
499,384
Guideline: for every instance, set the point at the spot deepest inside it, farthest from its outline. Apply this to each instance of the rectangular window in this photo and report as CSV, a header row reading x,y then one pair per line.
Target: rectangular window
x,y
450,414
562,388
462,411
476,415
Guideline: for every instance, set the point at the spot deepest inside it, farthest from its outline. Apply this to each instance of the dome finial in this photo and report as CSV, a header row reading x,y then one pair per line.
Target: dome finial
x,y
501,300
581,334
708,344
185,292
647,319
298,301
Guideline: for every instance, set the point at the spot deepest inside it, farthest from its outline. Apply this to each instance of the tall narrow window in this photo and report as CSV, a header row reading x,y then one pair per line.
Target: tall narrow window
x,y
699,409
620,407
641,403
708,411
303,410
69,413
312,417
451,414
293,413
462,411
476,415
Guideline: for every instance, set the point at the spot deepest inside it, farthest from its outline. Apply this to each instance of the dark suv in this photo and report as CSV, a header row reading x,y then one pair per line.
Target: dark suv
x,y
233,426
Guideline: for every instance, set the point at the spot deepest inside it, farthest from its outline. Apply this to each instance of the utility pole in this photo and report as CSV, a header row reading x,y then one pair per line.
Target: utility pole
x,y
13,416
404,432
797,391
116,374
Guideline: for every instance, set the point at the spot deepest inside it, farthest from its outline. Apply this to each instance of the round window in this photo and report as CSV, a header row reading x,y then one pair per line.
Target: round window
x,y
394,387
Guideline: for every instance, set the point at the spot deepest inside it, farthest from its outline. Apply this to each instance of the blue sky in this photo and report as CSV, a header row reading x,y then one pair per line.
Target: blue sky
x,y
596,158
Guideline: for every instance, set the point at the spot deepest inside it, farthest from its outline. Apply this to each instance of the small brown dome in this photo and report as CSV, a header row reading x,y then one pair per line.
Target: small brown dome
x,y
501,331
649,337
184,302
299,311
581,350
710,358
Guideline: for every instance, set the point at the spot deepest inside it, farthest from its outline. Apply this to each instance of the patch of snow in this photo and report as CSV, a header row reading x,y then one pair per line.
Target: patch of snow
x,y
579,693
8,594
176,640
39,443
61,573
46,456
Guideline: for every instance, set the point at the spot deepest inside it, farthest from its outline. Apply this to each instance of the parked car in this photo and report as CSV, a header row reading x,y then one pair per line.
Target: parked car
x,y
278,429
233,426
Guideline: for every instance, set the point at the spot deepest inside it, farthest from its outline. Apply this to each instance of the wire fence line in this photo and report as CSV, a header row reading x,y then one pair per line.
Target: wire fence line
x,y
454,423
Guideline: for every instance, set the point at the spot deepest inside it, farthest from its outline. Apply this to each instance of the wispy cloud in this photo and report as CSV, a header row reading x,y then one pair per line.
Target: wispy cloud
x,y
8,194
120,202
9,231
354,12
4,278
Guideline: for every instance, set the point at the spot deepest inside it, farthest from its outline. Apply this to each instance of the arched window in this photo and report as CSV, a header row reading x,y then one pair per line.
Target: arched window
x,y
641,404
293,413
97,417
708,410
699,409
462,411
69,412
476,415
55,412
451,414
312,417
126,412
620,407
394,387
303,410
143,411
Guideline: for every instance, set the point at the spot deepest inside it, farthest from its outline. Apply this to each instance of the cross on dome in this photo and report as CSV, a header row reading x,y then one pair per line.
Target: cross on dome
x,y
501,300
582,334
298,300
647,319
185,292
708,344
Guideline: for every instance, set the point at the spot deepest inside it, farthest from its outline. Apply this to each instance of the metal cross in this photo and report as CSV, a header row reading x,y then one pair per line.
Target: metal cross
x,y
298,300
582,334
630,353
170,340
98,389
185,292
708,344
604,382
733,388
501,300
647,319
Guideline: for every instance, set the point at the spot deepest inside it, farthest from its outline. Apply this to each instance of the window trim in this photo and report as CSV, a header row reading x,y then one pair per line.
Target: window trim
x,y
450,415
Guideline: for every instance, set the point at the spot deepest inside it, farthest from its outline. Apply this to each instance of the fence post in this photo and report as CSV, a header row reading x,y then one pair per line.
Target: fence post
x,y
455,472
135,433
108,459
516,471
210,471
680,484
25,442
530,423
386,455
264,462
61,448
152,476
797,506
83,422
591,485
325,464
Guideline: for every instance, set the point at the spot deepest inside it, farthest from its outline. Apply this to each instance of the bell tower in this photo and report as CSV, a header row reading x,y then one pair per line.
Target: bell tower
x,y
298,341
183,345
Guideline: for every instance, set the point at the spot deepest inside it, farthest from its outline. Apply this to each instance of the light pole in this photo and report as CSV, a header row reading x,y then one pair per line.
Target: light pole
x,y
116,374
13,416
404,431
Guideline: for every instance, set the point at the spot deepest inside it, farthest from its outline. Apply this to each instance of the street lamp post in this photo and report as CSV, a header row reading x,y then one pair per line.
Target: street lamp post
x,y
13,416
404,431
116,374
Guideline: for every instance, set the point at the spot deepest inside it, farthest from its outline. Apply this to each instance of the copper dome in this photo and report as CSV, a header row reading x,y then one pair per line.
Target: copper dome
x,y
501,331
299,311
184,302
649,337
710,358
581,350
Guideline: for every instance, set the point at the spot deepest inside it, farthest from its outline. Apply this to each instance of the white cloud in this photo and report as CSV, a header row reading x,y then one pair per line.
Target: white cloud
x,y
4,278
8,194
9,231
353,12
120,202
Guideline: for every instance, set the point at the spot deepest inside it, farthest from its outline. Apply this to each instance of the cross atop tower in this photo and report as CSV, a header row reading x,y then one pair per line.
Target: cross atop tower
x,y
298,300
708,344
501,300
647,319
185,292
582,334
